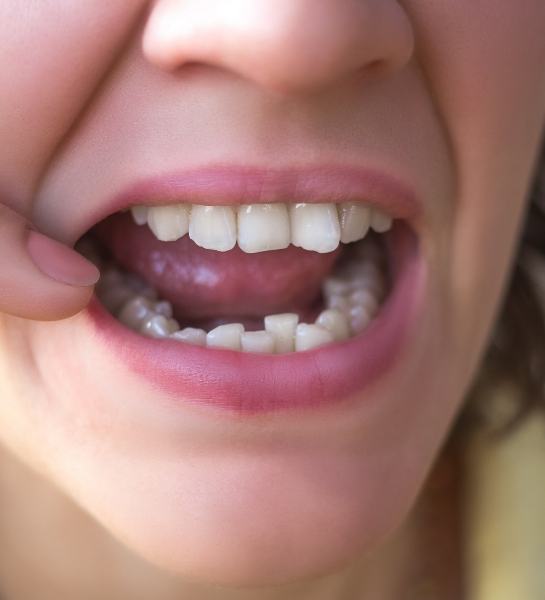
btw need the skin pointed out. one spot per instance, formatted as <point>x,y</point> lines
<point>97,96</point>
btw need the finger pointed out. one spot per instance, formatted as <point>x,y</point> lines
<point>40,278</point>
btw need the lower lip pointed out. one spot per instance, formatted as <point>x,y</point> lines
<point>255,384</point>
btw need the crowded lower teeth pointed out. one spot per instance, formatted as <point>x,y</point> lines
<point>352,297</point>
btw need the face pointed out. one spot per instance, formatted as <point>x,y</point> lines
<point>249,467</point>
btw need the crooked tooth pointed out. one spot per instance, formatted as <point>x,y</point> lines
<point>225,336</point>
<point>308,337</point>
<point>263,227</point>
<point>335,322</point>
<point>159,326</point>
<point>355,220</point>
<point>282,327</point>
<point>380,222</point>
<point>135,312</point>
<point>169,223</point>
<point>315,227</point>
<point>213,227</point>
<point>261,342</point>
<point>140,214</point>
<point>191,335</point>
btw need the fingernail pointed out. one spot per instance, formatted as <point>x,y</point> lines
<point>60,262</point>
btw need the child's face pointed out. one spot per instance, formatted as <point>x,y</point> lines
<point>448,96</point>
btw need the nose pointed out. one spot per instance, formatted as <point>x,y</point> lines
<point>284,45</point>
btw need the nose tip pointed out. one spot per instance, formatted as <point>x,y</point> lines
<point>284,45</point>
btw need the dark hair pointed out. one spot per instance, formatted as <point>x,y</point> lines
<point>511,383</point>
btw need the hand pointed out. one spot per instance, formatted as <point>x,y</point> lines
<point>40,278</point>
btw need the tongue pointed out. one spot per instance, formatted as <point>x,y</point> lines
<point>204,284</point>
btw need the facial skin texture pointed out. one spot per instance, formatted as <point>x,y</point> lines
<point>450,95</point>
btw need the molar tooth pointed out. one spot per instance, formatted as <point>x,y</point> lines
<point>263,227</point>
<point>135,312</point>
<point>315,227</point>
<point>366,299</point>
<point>139,214</point>
<point>163,308</point>
<point>115,297</point>
<point>159,326</point>
<point>355,220</point>
<point>110,277</point>
<point>169,223</point>
<point>308,337</point>
<point>213,227</point>
<point>335,322</point>
<point>282,327</point>
<point>191,335</point>
<point>257,341</point>
<point>359,318</point>
<point>380,221</point>
<point>225,336</point>
<point>339,302</point>
<point>333,286</point>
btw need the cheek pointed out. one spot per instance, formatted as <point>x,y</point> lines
<point>486,74</point>
<point>52,56</point>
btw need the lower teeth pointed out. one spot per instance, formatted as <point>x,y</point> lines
<point>352,297</point>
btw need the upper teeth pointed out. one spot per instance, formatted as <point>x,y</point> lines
<point>262,227</point>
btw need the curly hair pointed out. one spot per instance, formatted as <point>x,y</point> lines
<point>515,360</point>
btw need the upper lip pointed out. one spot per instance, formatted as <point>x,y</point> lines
<point>233,184</point>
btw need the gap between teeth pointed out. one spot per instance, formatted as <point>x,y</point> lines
<point>352,298</point>
<point>263,227</point>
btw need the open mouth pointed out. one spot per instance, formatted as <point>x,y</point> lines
<point>267,278</point>
<point>316,296</point>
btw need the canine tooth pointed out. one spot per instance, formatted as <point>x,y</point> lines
<point>257,341</point>
<point>159,327</point>
<point>163,308</point>
<point>335,322</point>
<point>282,327</point>
<point>140,214</point>
<point>359,318</point>
<point>213,227</point>
<point>315,227</point>
<point>191,335</point>
<point>354,220</point>
<point>135,312</point>
<point>308,337</point>
<point>380,222</point>
<point>169,223</point>
<point>225,336</point>
<point>263,227</point>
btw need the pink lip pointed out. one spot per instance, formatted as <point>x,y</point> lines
<point>255,384</point>
<point>222,184</point>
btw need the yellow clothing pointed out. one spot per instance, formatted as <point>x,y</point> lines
<point>504,514</point>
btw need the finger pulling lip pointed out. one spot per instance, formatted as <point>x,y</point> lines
<point>246,384</point>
